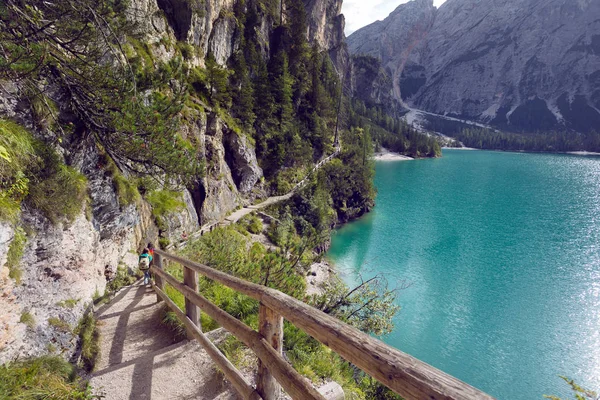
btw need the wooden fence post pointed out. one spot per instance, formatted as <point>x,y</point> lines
<point>190,279</point>
<point>270,326</point>
<point>158,281</point>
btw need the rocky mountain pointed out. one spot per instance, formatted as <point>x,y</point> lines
<point>523,65</point>
<point>62,263</point>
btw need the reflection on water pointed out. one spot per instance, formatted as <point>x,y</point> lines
<point>503,253</point>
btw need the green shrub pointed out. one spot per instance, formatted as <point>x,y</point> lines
<point>9,208</point>
<point>88,337</point>
<point>147,184</point>
<point>60,324</point>
<point>17,154</point>
<point>288,178</point>
<point>15,253</point>
<point>163,242</point>
<point>578,392</point>
<point>172,322</point>
<point>164,202</point>
<point>61,195</point>
<point>42,378</point>
<point>127,191</point>
<point>69,303</point>
<point>186,49</point>
<point>122,278</point>
<point>252,224</point>
<point>31,170</point>
<point>27,319</point>
<point>16,149</point>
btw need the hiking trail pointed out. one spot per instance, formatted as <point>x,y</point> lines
<point>140,357</point>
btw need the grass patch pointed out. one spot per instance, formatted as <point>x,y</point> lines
<point>15,253</point>
<point>69,303</point>
<point>208,324</point>
<point>237,353</point>
<point>31,170</point>
<point>127,191</point>
<point>172,322</point>
<point>9,208</point>
<point>61,195</point>
<point>27,319</point>
<point>164,202</point>
<point>17,154</point>
<point>163,242</point>
<point>42,378</point>
<point>59,324</point>
<point>88,337</point>
<point>122,278</point>
<point>16,149</point>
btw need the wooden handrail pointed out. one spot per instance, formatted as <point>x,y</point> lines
<point>404,374</point>
<point>235,377</point>
<point>293,383</point>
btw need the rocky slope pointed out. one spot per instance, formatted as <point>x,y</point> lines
<point>63,264</point>
<point>525,65</point>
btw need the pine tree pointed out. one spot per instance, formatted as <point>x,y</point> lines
<point>243,103</point>
<point>219,90</point>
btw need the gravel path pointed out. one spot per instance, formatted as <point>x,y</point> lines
<point>140,358</point>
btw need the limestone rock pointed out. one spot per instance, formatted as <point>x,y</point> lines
<point>221,195</point>
<point>240,156</point>
<point>517,64</point>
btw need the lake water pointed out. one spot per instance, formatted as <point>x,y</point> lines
<point>503,254</point>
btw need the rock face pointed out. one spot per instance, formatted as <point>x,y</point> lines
<point>67,262</point>
<point>524,65</point>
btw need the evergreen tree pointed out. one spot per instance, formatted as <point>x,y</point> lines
<point>243,102</point>
<point>219,91</point>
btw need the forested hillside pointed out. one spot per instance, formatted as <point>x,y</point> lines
<point>124,122</point>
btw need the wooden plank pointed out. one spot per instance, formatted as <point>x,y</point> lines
<point>158,263</point>
<point>231,373</point>
<point>190,279</point>
<point>292,382</point>
<point>405,375</point>
<point>270,327</point>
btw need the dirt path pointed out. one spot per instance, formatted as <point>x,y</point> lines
<point>140,358</point>
<point>242,212</point>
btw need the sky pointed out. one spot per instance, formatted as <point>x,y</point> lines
<point>359,13</point>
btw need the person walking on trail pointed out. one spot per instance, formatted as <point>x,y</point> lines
<point>144,264</point>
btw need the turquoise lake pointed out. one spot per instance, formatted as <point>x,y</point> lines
<point>502,251</point>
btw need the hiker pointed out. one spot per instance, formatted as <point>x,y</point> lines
<point>144,264</point>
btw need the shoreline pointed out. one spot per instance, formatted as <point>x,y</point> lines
<point>460,148</point>
<point>320,274</point>
<point>386,155</point>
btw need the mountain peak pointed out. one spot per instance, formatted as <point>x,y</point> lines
<point>524,65</point>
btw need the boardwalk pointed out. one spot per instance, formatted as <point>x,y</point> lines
<point>140,358</point>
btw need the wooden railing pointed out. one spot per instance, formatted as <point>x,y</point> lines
<point>405,375</point>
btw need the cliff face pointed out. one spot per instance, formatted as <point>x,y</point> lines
<point>519,64</point>
<point>66,262</point>
<point>396,39</point>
